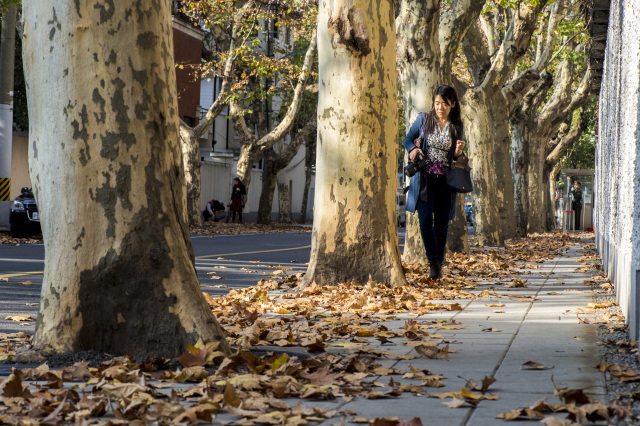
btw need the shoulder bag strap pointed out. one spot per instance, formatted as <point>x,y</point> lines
<point>424,129</point>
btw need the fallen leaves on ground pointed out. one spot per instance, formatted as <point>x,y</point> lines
<point>532,365</point>
<point>6,238</point>
<point>329,327</point>
<point>223,228</point>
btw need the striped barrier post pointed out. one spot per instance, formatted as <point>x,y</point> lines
<point>5,189</point>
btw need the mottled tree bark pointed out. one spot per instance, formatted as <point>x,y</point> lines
<point>309,161</point>
<point>520,174</point>
<point>537,190</point>
<point>190,145</point>
<point>476,110</point>
<point>269,177</point>
<point>458,238</point>
<point>284,198</point>
<point>119,274</point>
<point>504,180</point>
<point>354,228</point>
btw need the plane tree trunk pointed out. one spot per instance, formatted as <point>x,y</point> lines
<point>309,161</point>
<point>354,229</point>
<point>119,272</point>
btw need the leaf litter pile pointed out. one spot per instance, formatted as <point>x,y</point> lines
<point>291,347</point>
<point>223,228</point>
<point>6,238</point>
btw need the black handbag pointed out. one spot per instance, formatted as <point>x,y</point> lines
<point>459,175</point>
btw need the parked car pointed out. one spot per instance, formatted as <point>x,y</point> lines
<point>469,214</point>
<point>400,208</point>
<point>24,217</point>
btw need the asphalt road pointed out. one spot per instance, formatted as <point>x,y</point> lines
<point>223,262</point>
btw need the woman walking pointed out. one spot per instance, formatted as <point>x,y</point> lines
<point>436,135</point>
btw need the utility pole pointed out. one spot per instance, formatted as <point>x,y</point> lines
<point>7,57</point>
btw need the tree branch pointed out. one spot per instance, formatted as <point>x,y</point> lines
<point>515,44</point>
<point>285,125</point>
<point>568,140</point>
<point>477,54</point>
<point>546,55</point>
<point>291,150</point>
<point>515,90</point>
<point>452,29</point>
<point>536,95</point>
<point>562,103</point>
<point>489,29</point>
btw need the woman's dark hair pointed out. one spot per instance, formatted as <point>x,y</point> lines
<point>239,182</point>
<point>449,94</point>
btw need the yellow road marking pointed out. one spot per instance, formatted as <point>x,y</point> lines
<point>252,252</point>
<point>24,274</point>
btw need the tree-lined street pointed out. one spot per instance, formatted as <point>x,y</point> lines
<point>134,311</point>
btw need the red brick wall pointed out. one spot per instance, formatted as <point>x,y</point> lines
<point>187,51</point>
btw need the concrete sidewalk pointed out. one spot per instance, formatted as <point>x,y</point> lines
<point>546,322</point>
<point>555,330</point>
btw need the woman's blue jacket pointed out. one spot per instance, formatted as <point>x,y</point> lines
<point>414,185</point>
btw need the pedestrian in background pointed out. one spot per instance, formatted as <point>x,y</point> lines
<point>214,210</point>
<point>576,203</point>
<point>238,200</point>
<point>438,136</point>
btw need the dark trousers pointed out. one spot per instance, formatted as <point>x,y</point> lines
<point>433,215</point>
<point>236,214</point>
<point>577,212</point>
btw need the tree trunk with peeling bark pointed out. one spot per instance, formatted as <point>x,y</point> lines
<point>549,198</point>
<point>504,180</point>
<point>249,154</point>
<point>269,181</point>
<point>276,159</point>
<point>537,189</point>
<point>354,229</point>
<point>284,198</point>
<point>520,172</point>
<point>190,147</point>
<point>458,237</point>
<point>119,275</point>
<point>478,128</point>
<point>308,164</point>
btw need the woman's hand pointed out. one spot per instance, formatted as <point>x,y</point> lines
<point>413,153</point>
<point>459,147</point>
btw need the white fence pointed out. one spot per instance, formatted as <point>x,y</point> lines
<point>217,181</point>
